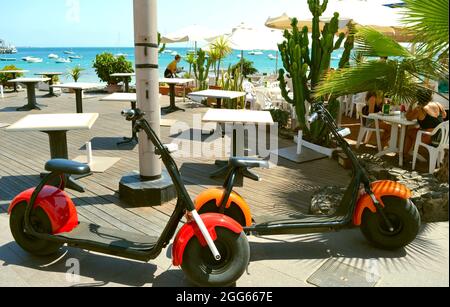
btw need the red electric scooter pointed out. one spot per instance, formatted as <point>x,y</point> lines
<point>383,209</point>
<point>212,249</point>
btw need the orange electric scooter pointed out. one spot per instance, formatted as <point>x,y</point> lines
<point>383,209</point>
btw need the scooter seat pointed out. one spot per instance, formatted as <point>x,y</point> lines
<point>248,163</point>
<point>67,167</point>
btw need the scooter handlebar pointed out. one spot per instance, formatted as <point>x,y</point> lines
<point>129,114</point>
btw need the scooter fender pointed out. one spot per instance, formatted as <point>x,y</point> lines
<point>189,230</point>
<point>380,189</point>
<point>57,205</point>
<point>217,196</point>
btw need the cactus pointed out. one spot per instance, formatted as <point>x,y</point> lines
<point>307,66</point>
<point>233,80</point>
<point>163,47</point>
<point>201,70</point>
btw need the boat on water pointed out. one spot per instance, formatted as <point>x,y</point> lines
<point>63,60</point>
<point>75,57</point>
<point>8,59</point>
<point>7,49</point>
<point>69,52</point>
<point>167,51</point>
<point>53,56</point>
<point>256,52</point>
<point>31,59</point>
<point>174,53</point>
<point>121,54</point>
<point>272,57</point>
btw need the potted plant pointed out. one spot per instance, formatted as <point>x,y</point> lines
<point>164,89</point>
<point>106,64</point>
<point>74,73</point>
<point>4,78</point>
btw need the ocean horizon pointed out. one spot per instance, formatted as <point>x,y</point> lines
<point>264,63</point>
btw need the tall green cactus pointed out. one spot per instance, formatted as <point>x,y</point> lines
<point>307,66</point>
<point>233,80</point>
<point>201,70</point>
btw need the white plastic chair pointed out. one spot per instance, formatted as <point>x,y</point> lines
<point>264,101</point>
<point>1,91</point>
<point>437,151</point>
<point>250,97</point>
<point>358,102</point>
<point>366,131</point>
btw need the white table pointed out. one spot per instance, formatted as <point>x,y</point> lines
<point>399,123</point>
<point>14,74</point>
<point>125,97</point>
<point>244,117</point>
<point>219,95</point>
<point>78,87</point>
<point>31,91</point>
<point>126,79</point>
<point>57,126</point>
<point>173,82</point>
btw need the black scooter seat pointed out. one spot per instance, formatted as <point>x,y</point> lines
<point>248,163</point>
<point>67,167</point>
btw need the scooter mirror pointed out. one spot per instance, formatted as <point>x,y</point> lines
<point>313,118</point>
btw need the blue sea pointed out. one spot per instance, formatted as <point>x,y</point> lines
<point>262,62</point>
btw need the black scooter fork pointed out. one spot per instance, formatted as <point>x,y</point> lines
<point>380,209</point>
<point>163,152</point>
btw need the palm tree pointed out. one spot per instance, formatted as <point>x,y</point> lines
<point>190,59</point>
<point>404,72</point>
<point>428,22</point>
<point>222,46</point>
<point>214,58</point>
<point>400,76</point>
<point>75,73</point>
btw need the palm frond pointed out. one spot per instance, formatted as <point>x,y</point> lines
<point>428,21</point>
<point>372,43</point>
<point>399,79</point>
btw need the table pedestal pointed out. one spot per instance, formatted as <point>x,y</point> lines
<point>394,146</point>
<point>79,100</point>
<point>31,93</point>
<point>237,151</point>
<point>126,85</point>
<point>172,108</point>
<point>51,92</point>
<point>58,150</point>
<point>15,84</point>
<point>134,137</point>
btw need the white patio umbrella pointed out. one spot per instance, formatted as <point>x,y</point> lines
<point>246,38</point>
<point>194,33</point>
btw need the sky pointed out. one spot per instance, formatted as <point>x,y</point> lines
<point>109,23</point>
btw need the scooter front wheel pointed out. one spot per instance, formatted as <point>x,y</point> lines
<point>202,269</point>
<point>40,223</point>
<point>403,215</point>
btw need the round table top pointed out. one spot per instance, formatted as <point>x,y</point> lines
<point>123,75</point>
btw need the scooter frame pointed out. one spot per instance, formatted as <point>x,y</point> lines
<point>203,228</point>
<point>361,194</point>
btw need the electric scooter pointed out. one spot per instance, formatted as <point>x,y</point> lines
<point>211,249</point>
<point>383,210</point>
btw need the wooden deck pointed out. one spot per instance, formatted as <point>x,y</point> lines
<point>285,188</point>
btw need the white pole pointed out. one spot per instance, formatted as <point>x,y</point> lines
<point>147,82</point>
<point>89,154</point>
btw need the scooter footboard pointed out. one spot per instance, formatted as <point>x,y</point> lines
<point>57,205</point>
<point>380,189</point>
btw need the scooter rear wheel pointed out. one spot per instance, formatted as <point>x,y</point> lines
<point>202,269</point>
<point>41,224</point>
<point>403,215</point>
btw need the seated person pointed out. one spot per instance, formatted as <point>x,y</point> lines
<point>172,68</point>
<point>375,103</point>
<point>428,114</point>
